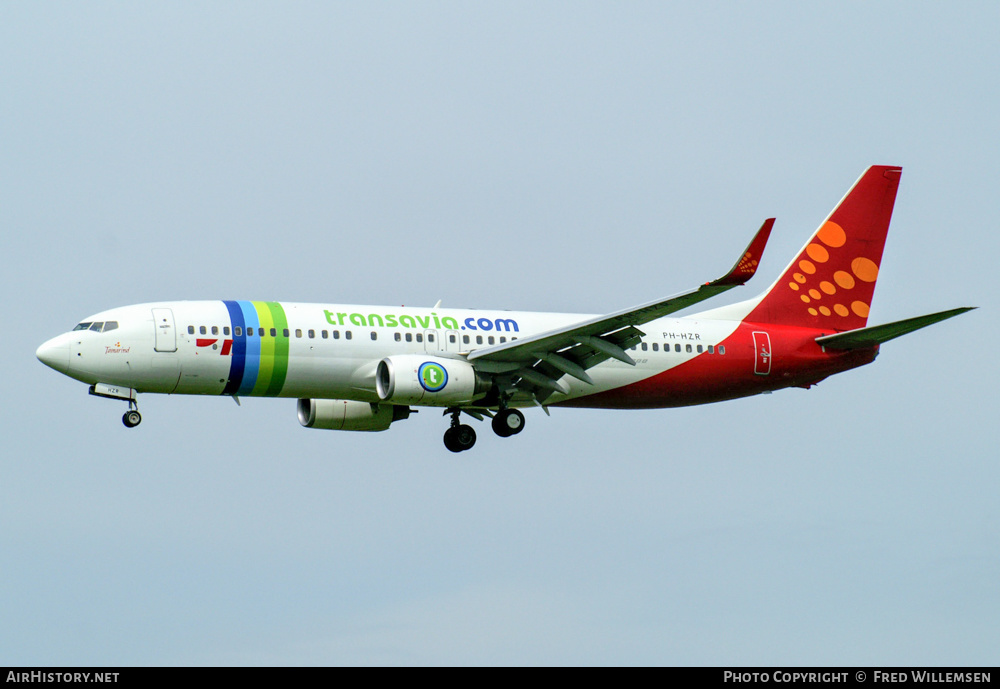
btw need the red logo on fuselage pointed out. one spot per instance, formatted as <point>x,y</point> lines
<point>227,345</point>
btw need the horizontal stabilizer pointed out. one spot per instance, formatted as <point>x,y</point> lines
<point>869,337</point>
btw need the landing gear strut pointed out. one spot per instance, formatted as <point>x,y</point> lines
<point>459,437</point>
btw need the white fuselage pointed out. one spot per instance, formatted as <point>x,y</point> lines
<point>326,350</point>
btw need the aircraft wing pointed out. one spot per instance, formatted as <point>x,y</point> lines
<point>537,362</point>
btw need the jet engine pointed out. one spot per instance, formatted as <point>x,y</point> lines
<point>430,380</point>
<point>348,415</point>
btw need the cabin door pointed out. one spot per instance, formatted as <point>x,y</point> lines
<point>163,326</point>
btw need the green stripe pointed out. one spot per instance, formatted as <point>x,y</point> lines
<point>280,360</point>
<point>266,349</point>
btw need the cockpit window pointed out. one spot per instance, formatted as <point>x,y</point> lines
<point>96,327</point>
<point>83,326</point>
<point>110,325</point>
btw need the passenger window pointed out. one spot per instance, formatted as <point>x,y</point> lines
<point>238,330</point>
<point>298,332</point>
<point>215,330</point>
<point>284,332</point>
<point>656,347</point>
<point>722,350</point>
<point>409,337</point>
<point>225,330</point>
<point>274,332</point>
<point>374,335</point>
<point>312,334</point>
<point>677,348</point>
<point>86,326</point>
<point>203,330</point>
<point>398,337</point>
<point>420,337</point>
<point>260,331</point>
<point>347,335</point>
<point>711,349</point>
<point>324,334</point>
<point>687,348</point>
<point>479,339</point>
<point>451,338</point>
<point>430,337</point>
<point>699,349</point>
<point>336,334</point>
<point>491,339</point>
<point>190,330</point>
<point>645,346</point>
<point>465,339</point>
<point>502,339</point>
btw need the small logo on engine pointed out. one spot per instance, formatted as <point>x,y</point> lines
<point>432,376</point>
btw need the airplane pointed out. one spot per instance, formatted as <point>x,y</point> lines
<point>362,368</point>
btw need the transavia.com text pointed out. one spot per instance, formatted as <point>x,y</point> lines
<point>857,676</point>
<point>68,677</point>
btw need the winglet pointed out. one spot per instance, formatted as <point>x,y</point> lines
<point>747,265</point>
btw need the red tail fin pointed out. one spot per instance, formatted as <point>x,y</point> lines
<point>831,282</point>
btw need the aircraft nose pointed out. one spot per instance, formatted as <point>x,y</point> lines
<point>55,353</point>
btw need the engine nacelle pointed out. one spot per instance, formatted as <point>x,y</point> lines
<point>430,380</point>
<point>348,415</point>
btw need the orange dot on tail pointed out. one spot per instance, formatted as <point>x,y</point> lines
<point>799,277</point>
<point>865,269</point>
<point>860,308</point>
<point>827,287</point>
<point>815,294</point>
<point>840,309</point>
<point>807,267</point>
<point>812,312</point>
<point>844,279</point>
<point>825,311</point>
<point>806,299</point>
<point>832,234</point>
<point>818,253</point>
<point>794,286</point>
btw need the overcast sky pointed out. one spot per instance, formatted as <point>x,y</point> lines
<point>579,157</point>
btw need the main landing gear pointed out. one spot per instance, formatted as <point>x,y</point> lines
<point>508,422</point>
<point>461,437</point>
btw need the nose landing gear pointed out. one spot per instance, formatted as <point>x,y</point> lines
<point>132,417</point>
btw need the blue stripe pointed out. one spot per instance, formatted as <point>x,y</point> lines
<point>252,356</point>
<point>239,350</point>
